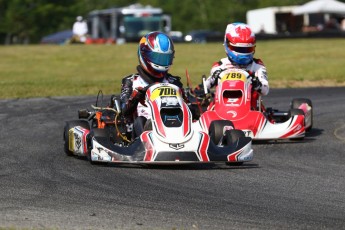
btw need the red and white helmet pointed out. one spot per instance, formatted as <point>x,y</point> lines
<point>239,43</point>
<point>156,53</point>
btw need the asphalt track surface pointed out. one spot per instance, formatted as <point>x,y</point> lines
<point>288,185</point>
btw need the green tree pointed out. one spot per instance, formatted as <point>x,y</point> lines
<point>26,21</point>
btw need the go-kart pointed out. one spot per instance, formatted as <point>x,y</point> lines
<point>170,136</point>
<point>236,101</point>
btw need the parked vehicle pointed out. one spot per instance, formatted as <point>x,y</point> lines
<point>203,36</point>
<point>126,24</point>
<point>57,38</point>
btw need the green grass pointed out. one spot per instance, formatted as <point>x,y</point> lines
<point>48,70</point>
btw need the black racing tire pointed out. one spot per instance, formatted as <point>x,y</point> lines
<point>216,130</point>
<point>234,163</point>
<point>232,137</point>
<point>296,102</point>
<point>294,112</point>
<point>68,125</point>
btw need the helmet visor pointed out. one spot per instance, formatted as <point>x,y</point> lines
<point>162,59</point>
<point>241,49</point>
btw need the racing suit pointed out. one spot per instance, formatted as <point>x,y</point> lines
<point>132,93</point>
<point>256,66</point>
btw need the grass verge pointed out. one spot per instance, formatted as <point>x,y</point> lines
<point>49,70</point>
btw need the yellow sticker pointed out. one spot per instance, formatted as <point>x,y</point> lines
<point>71,140</point>
<point>164,91</point>
<point>232,76</point>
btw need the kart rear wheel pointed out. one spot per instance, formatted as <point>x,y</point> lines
<point>297,102</point>
<point>96,132</point>
<point>216,130</point>
<point>68,125</point>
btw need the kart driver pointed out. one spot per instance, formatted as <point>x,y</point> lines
<point>239,43</point>
<point>155,54</point>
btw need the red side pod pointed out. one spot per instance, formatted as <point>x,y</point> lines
<point>233,157</point>
<point>158,120</point>
<point>297,127</point>
<point>150,150</point>
<point>86,132</point>
<point>203,146</point>
<point>186,120</point>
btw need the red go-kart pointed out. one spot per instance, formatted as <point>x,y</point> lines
<point>236,101</point>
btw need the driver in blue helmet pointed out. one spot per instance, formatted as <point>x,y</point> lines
<point>239,43</point>
<point>155,53</point>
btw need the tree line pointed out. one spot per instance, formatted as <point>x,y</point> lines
<point>27,21</point>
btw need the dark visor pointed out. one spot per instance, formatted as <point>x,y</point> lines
<point>242,50</point>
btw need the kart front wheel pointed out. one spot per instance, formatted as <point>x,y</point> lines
<point>217,130</point>
<point>232,137</point>
<point>296,103</point>
<point>68,125</point>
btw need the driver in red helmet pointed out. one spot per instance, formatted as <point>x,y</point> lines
<point>155,53</point>
<point>239,43</point>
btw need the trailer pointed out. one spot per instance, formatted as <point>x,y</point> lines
<point>274,20</point>
<point>126,24</point>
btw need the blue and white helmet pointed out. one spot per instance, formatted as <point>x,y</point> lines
<point>156,53</point>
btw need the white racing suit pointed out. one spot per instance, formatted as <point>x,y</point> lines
<point>256,66</point>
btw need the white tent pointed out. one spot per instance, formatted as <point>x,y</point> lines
<point>321,6</point>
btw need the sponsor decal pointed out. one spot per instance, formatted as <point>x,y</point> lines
<point>176,146</point>
<point>298,127</point>
<point>234,113</point>
<point>248,133</point>
<point>77,140</point>
<point>232,100</point>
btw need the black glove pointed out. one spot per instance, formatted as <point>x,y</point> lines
<point>256,84</point>
<point>138,94</point>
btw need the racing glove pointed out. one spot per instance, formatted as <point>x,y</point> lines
<point>138,95</point>
<point>262,86</point>
<point>256,84</point>
<point>215,76</point>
